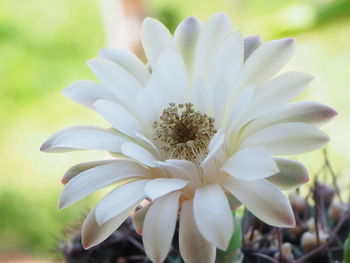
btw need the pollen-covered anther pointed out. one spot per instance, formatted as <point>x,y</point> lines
<point>183,132</point>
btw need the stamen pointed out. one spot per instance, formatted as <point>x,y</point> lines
<point>183,132</point>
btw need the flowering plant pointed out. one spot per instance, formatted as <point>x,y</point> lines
<point>196,132</point>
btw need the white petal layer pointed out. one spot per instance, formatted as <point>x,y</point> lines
<point>292,174</point>
<point>278,92</point>
<point>250,163</point>
<point>213,31</point>
<point>128,61</point>
<point>227,64</point>
<point>266,61</point>
<point>120,200</point>
<point>118,117</point>
<point>98,177</point>
<point>155,38</point>
<point>92,233</point>
<point>309,112</point>
<point>263,199</point>
<point>81,167</point>
<point>213,216</point>
<point>287,138</point>
<point>83,138</point>
<point>162,186</point>
<point>139,154</point>
<point>185,37</point>
<point>86,93</point>
<point>116,79</point>
<point>193,247</point>
<point>159,227</point>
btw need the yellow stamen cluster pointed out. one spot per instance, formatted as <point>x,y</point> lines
<point>183,132</point>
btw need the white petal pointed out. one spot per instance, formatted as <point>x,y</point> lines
<point>159,227</point>
<point>149,108</point>
<point>118,117</point>
<point>250,163</point>
<point>292,174</point>
<point>118,201</point>
<point>155,37</point>
<point>266,61</point>
<point>309,112</point>
<point>193,247</point>
<point>120,82</point>
<point>171,70</point>
<point>162,186</point>
<point>182,169</point>
<point>128,61</point>
<point>86,93</point>
<point>139,217</point>
<point>201,98</point>
<point>239,109</point>
<point>280,91</point>
<point>251,43</point>
<point>287,138</point>
<point>149,144</point>
<point>215,146</point>
<point>83,138</point>
<point>213,215</point>
<point>228,61</point>
<point>185,37</point>
<point>92,234</point>
<point>263,199</point>
<point>98,177</point>
<point>139,154</point>
<point>213,31</point>
<point>81,167</point>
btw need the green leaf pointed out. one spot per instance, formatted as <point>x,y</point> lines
<point>347,250</point>
<point>233,252</point>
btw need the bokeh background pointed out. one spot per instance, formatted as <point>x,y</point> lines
<point>43,47</point>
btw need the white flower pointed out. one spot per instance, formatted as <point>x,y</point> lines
<point>197,133</point>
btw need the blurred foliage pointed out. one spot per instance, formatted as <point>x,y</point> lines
<point>43,47</point>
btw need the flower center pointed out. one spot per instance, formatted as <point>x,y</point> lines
<point>183,132</point>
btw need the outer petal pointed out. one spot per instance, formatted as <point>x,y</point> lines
<point>213,31</point>
<point>292,174</point>
<point>280,91</point>
<point>155,37</point>
<point>263,199</point>
<point>213,215</point>
<point>116,79</point>
<point>186,36</point>
<point>98,177</point>
<point>309,112</point>
<point>159,227</point>
<point>83,138</point>
<point>118,201</point>
<point>266,61</point>
<point>139,217</point>
<point>250,163</point>
<point>128,61</point>
<point>163,186</point>
<point>118,117</point>
<point>287,138</point>
<point>227,64</point>
<point>139,154</point>
<point>193,247</point>
<point>251,43</point>
<point>86,93</point>
<point>82,167</point>
<point>171,70</point>
<point>92,233</point>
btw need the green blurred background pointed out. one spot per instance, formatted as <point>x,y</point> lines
<point>43,47</point>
